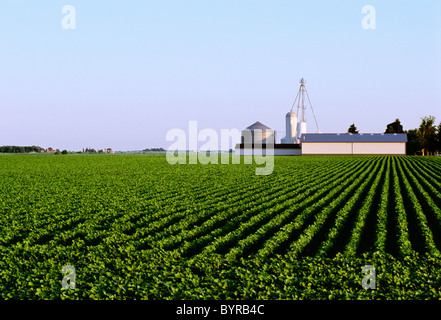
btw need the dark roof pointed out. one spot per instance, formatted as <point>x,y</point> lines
<point>258,125</point>
<point>349,137</point>
<point>275,146</point>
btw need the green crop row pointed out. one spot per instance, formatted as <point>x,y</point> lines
<point>381,226</point>
<point>339,199</point>
<point>342,215</point>
<point>297,211</point>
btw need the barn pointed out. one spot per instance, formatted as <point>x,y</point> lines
<point>348,143</point>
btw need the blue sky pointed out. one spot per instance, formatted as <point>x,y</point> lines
<point>132,70</point>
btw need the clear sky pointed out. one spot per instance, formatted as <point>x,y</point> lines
<point>133,70</point>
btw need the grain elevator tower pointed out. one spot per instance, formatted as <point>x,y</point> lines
<point>303,100</point>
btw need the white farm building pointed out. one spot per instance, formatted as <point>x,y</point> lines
<point>348,143</point>
<point>256,138</point>
<point>334,144</point>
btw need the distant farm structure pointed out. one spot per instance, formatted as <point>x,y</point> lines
<point>258,137</point>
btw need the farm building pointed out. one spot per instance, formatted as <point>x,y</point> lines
<point>335,144</point>
<point>298,142</point>
<point>348,143</point>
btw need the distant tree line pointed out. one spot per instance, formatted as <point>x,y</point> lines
<point>20,149</point>
<point>424,140</point>
<point>92,150</point>
<point>154,149</point>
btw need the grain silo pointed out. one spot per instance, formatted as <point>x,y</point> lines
<point>256,139</point>
<point>260,137</point>
<point>301,128</point>
<point>257,133</point>
<point>291,128</point>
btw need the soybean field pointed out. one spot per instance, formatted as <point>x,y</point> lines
<point>137,227</point>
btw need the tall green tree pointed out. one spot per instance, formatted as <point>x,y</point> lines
<point>394,127</point>
<point>427,135</point>
<point>413,145</point>
<point>352,129</point>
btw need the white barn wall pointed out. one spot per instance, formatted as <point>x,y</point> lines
<point>379,148</point>
<point>392,148</point>
<point>327,148</point>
